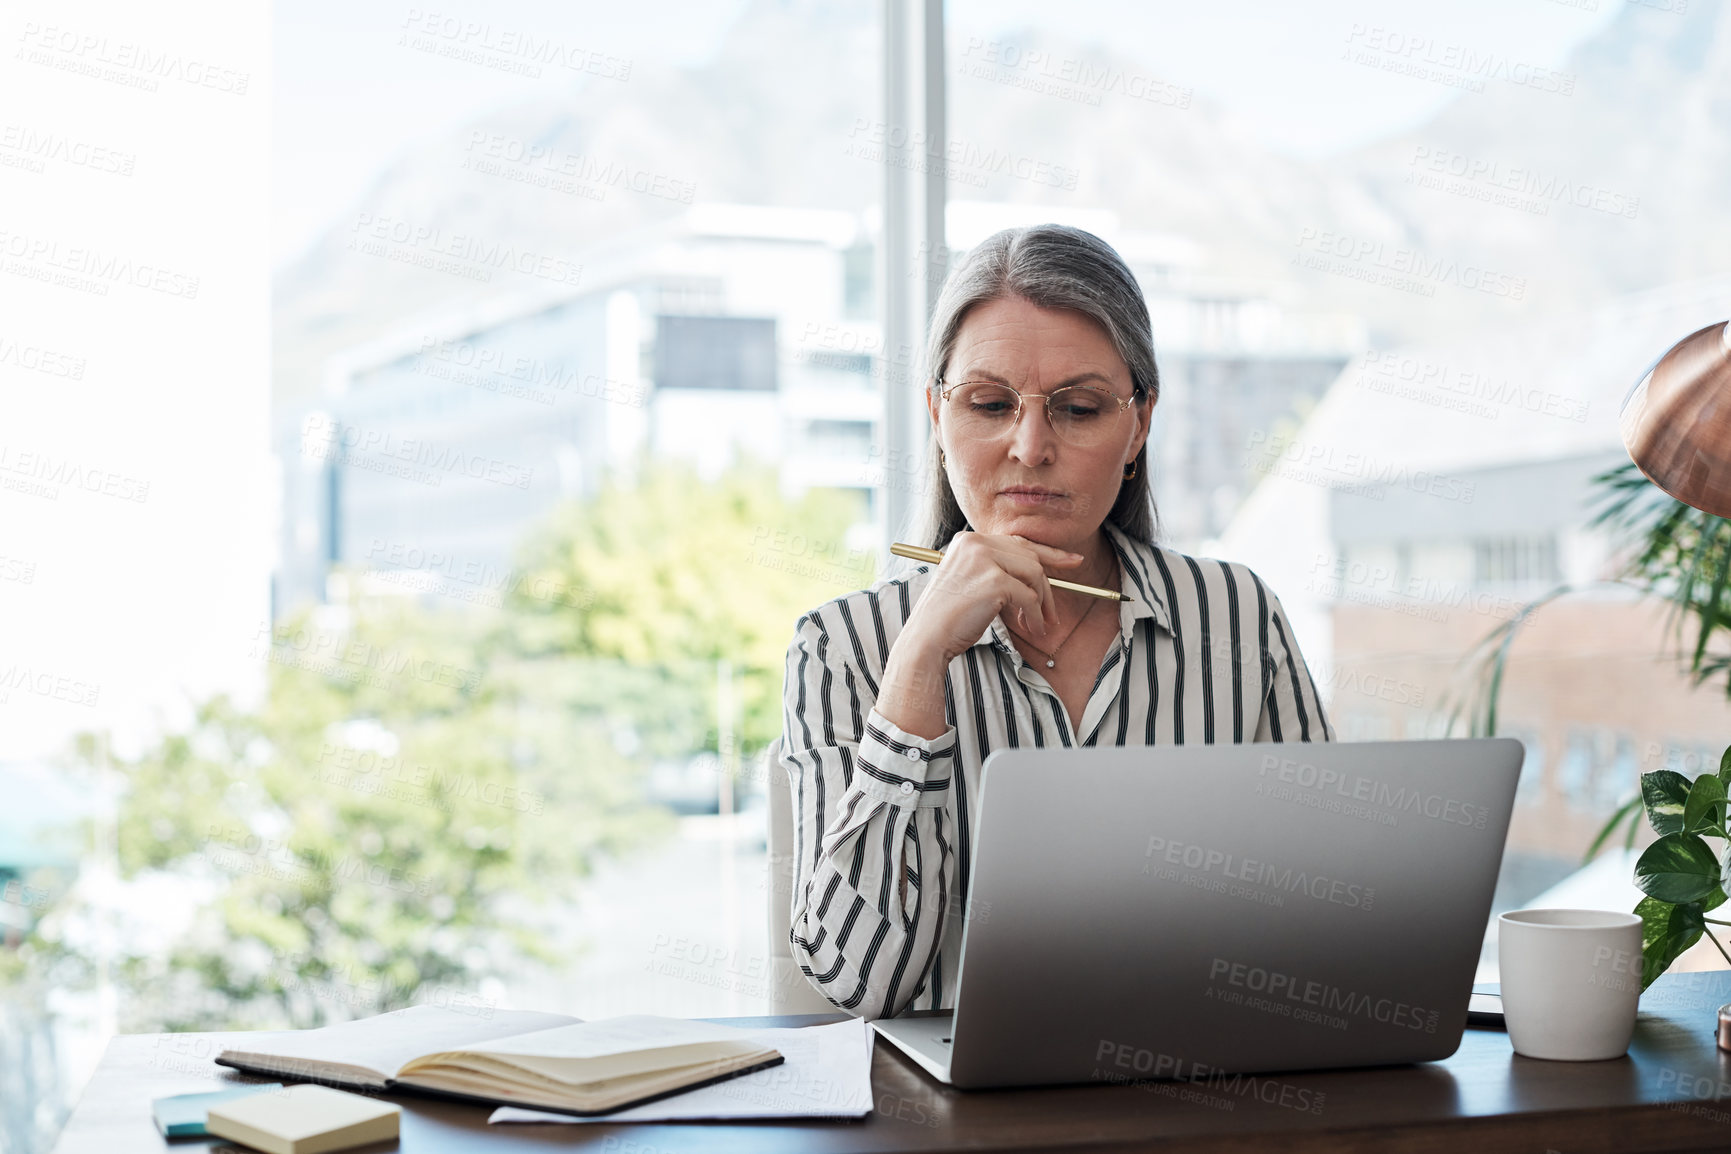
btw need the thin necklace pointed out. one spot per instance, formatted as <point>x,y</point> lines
<point>1052,657</point>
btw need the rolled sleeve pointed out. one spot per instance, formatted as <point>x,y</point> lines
<point>902,769</point>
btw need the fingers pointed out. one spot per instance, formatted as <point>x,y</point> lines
<point>1024,560</point>
<point>1029,605</point>
<point>1048,602</point>
<point>1028,571</point>
<point>1013,569</point>
<point>1043,556</point>
<point>1048,555</point>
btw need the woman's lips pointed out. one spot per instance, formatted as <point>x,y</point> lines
<point>1028,495</point>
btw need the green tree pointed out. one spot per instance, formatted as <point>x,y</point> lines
<point>376,829</point>
<point>421,775</point>
<point>678,574</point>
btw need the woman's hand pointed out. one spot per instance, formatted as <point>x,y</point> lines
<point>982,575</point>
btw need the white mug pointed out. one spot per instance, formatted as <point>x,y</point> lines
<point>1571,982</point>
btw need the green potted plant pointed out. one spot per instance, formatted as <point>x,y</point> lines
<point>1680,873</point>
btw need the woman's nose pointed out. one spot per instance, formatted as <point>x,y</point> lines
<point>1032,438</point>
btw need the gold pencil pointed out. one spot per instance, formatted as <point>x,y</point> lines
<point>933,557</point>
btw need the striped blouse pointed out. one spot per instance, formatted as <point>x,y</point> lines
<point>884,819</point>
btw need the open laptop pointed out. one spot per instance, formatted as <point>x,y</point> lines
<point>1142,912</point>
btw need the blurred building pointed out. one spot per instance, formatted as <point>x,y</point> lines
<point>1590,687</point>
<point>728,331</point>
<point>1434,495</point>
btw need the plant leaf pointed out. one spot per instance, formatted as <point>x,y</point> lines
<point>1711,617</point>
<point>1677,868</point>
<point>1666,931</point>
<point>1725,768</point>
<point>1666,792</point>
<point>1705,809</point>
<point>1675,553</point>
<point>1712,901</point>
<point>1484,665</point>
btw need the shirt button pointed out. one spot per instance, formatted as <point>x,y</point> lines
<point>912,755</point>
<point>907,787</point>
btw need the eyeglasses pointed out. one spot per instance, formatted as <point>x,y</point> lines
<point>1083,416</point>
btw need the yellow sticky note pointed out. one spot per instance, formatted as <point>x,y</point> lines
<point>303,1120</point>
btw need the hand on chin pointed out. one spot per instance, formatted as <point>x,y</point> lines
<point>1041,526</point>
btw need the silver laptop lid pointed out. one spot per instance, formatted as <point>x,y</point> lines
<point>1156,911</point>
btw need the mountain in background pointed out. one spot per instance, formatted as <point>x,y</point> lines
<point>1649,120</point>
<point>770,120</point>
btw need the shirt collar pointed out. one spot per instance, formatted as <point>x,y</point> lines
<point>1136,565</point>
<point>1136,559</point>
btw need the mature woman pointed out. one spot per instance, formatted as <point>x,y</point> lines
<point>1044,386</point>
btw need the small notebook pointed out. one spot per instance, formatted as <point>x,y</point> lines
<point>304,1120</point>
<point>518,1058</point>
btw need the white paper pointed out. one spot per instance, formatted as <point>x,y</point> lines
<point>826,1074</point>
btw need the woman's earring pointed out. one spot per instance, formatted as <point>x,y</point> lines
<point>1130,471</point>
<point>940,456</point>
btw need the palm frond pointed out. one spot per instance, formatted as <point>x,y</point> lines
<point>1484,667</point>
<point>1672,551</point>
<point>1678,553</point>
<point>1630,813</point>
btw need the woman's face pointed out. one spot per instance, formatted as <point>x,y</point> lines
<point>1029,481</point>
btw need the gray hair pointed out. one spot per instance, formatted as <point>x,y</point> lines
<point>1055,267</point>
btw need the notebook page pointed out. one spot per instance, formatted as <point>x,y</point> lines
<point>826,1074</point>
<point>607,1036</point>
<point>385,1042</point>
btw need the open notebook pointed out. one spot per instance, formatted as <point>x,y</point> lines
<point>514,1057</point>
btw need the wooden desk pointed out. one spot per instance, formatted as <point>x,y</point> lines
<point>1672,1092</point>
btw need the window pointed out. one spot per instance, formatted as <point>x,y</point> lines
<point>573,382</point>
<point>736,353</point>
<point>859,289</point>
<point>1532,783</point>
<point>1599,770</point>
<point>1516,561</point>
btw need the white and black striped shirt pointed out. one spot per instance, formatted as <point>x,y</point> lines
<point>884,820</point>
